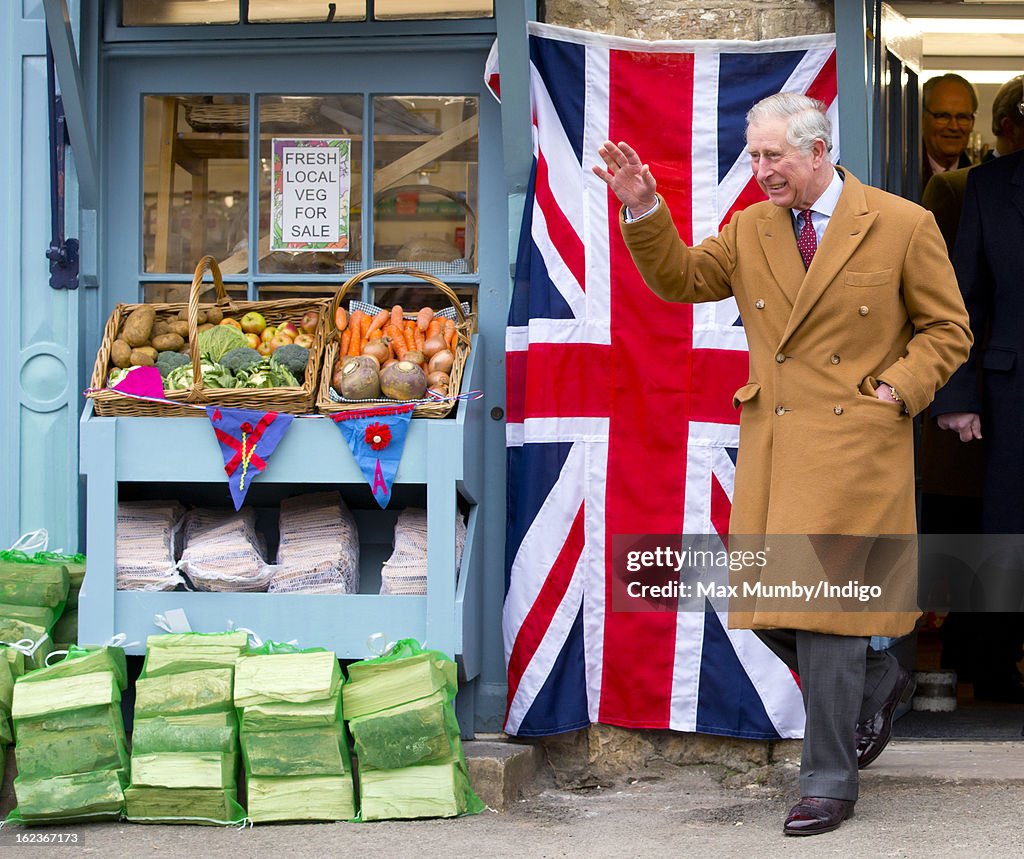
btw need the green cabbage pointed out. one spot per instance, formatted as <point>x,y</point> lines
<point>216,342</point>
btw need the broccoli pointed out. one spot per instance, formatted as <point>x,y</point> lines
<point>167,361</point>
<point>240,358</point>
<point>293,358</point>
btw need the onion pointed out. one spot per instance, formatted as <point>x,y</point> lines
<point>437,378</point>
<point>433,345</point>
<point>442,362</point>
<point>377,349</point>
<point>415,356</point>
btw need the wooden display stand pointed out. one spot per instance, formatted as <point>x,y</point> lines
<point>442,458</point>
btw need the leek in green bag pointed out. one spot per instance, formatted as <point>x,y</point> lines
<point>208,691</point>
<point>179,653</point>
<point>297,751</point>
<point>195,732</point>
<point>24,582</point>
<point>207,806</point>
<point>61,799</point>
<point>417,732</point>
<point>428,790</point>
<point>300,798</point>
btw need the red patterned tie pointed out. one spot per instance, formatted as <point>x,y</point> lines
<point>807,241</point>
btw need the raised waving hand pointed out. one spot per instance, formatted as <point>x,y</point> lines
<point>628,177</point>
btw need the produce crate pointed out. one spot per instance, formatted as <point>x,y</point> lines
<point>328,404</point>
<point>291,399</point>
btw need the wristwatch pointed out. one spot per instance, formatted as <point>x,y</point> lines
<point>895,395</point>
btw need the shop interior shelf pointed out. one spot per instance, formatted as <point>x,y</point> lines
<point>441,469</point>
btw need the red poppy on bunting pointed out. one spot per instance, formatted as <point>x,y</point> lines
<point>376,438</point>
<point>247,438</point>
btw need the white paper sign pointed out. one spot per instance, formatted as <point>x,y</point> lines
<point>310,194</point>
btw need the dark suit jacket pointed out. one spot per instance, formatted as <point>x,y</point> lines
<point>989,261</point>
<point>926,165</point>
<point>944,197</point>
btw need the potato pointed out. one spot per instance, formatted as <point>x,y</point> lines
<point>180,328</point>
<point>205,326</point>
<point>120,354</point>
<point>148,350</point>
<point>160,327</point>
<point>214,315</point>
<point>168,343</point>
<point>139,358</point>
<point>183,314</point>
<point>138,327</point>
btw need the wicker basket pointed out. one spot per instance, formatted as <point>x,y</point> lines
<point>292,400</point>
<point>327,405</point>
<point>235,117</point>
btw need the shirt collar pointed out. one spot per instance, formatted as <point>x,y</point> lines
<point>826,203</point>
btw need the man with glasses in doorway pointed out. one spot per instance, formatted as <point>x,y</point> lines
<point>950,104</point>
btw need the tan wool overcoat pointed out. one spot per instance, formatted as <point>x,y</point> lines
<point>819,453</point>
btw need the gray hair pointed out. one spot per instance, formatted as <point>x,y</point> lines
<point>1006,104</point>
<point>805,118</point>
<point>949,77</point>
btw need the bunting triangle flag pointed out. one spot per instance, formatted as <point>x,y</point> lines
<point>376,438</point>
<point>247,438</point>
<point>142,382</point>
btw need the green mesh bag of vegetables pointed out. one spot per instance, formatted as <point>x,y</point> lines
<point>25,582</point>
<point>179,653</point>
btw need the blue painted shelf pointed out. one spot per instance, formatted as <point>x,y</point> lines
<point>442,461</point>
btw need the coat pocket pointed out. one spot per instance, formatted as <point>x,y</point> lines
<point>998,359</point>
<point>868,278</point>
<point>745,394</point>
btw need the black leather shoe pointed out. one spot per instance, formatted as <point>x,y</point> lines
<point>873,734</point>
<point>813,815</point>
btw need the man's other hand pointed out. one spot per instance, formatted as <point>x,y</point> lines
<point>967,424</point>
<point>630,179</point>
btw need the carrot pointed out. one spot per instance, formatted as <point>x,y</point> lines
<point>435,327</point>
<point>450,334</point>
<point>396,316</point>
<point>424,317</point>
<point>397,340</point>
<point>378,322</point>
<point>364,328</point>
<point>374,335</point>
<point>355,322</point>
<point>341,318</point>
<point>346,336</point>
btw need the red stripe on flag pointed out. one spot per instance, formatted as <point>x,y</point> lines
<point>721,507</point>
<point>515,387</point>
<point>824,87</point>
<point>750,194</point>
<point>567,382</point>
<point>717,374</point>
<point>566,240</point>
<point>650,384</point>
<point>552,592</point>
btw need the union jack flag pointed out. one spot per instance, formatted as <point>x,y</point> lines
<point>619,413</point>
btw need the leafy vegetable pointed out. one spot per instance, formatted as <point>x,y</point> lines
<point>219,340</point>
<point>240,358</point>
<point>168,361</point>
<point>268,373</point>
<point>214,376</point>
<point>293,357</point>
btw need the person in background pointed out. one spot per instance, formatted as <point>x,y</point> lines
<point>989,261</point>
<point>951,472</point>
<point>853,320</point>
<point>949,106</point>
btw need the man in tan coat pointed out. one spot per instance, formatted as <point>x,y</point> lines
<point>853,321</point>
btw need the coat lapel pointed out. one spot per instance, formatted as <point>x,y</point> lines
<point>778,241</point>
<point>846,229</point>
<point>1018,186</point>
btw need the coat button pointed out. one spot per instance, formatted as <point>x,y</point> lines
<point>780,411</point>
<point>838,410</point>
<point>834,359</point>
<point>780,358</point>
<point>759,304</point>
<point>863,310</point>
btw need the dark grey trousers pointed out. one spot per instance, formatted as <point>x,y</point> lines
<point>843,682</point>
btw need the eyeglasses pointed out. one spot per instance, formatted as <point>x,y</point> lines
<point>942,118</point>
<point>1020,108</point>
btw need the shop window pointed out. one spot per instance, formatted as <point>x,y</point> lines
<point>150,13</point>
<point>417,294</point>
<point>425,182</point>
<point>310,125</point>
<point>195,179</point>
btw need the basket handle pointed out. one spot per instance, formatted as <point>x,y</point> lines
<point>207,263</point>
<point>332,309</point>
<point>441,192</point>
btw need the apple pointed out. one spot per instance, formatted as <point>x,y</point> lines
<point>264,349</point>
<point>227,320</point>
<point>253,340</point>
<point>268,333</point>
<point>309,321</point>
<point>288,329</point>
<point>279,340</point>
<point>253,322</point>
<point>304,340</point>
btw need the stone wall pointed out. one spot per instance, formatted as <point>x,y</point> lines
<point>686,19</point>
